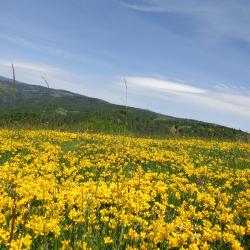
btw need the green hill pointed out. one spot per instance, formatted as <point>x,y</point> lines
<point>39,107</point>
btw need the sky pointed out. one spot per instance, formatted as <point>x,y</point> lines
<point>184,58</point>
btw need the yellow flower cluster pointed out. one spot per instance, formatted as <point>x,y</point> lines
<point>63,190</point>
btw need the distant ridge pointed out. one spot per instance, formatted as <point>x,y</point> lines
<point>38,106</point>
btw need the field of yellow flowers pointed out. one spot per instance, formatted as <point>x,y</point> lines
<point>63,190</point>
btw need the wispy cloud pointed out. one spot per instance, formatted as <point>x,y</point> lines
<point>165,86</point>
<point>187,6</point>
<point>224,18</point>
<point>59,78</point>
<point>32,72</point>
<point>31,67</point>
<point>223,99</point>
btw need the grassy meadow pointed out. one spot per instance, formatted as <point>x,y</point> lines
<point>61,190</point>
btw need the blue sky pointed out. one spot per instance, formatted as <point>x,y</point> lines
<point>187,58</point>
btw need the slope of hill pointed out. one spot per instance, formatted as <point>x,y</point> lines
<point>37,106</point>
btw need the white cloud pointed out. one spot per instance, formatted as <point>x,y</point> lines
<point>31,67</point>
<point>237,104</point>
<point>161,85</point>
<point>32,72</point>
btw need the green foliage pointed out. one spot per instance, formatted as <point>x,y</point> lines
<point>36,107</point>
